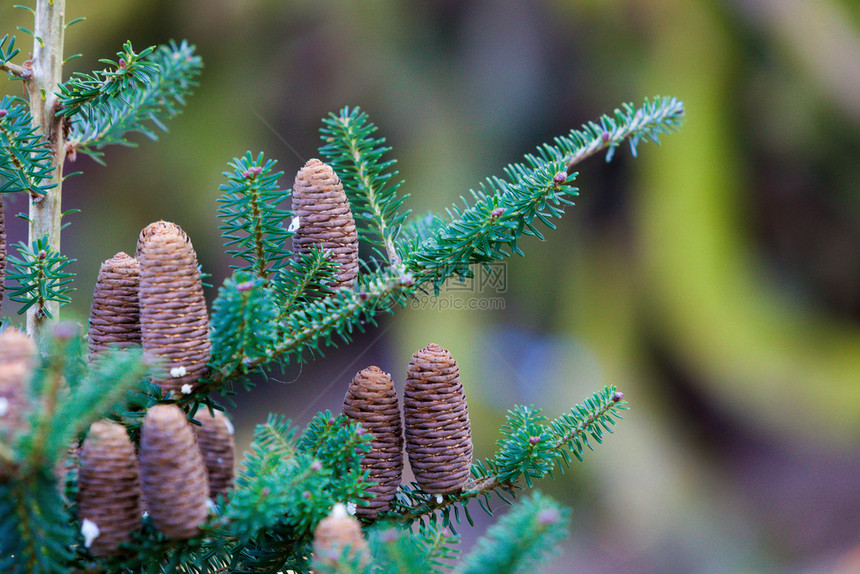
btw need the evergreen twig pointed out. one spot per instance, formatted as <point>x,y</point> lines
<point>25,157</point>
<point>356,157</point>
<point>107,106</point>
<point>530,449</point>
<point>252,219</point>
<point>41,276</point>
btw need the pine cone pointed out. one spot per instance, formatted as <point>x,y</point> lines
<point>335,532</point>
<point>17,346</point>
<point>321,206</point>
<point>172,473</point>
<point>215,438</point>
<point>174,323</point>
<point>17,361</point>
<point>2,250</point>
<point>438,435</point>
<point>115,312</point>
<point>371,400</point>
<point>109,486</point>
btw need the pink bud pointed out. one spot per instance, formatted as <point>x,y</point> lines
<point>617,396</point>
<point>560,177</point>
<point>497,212</point>
<point>244,286</point>
<point>548,516</point>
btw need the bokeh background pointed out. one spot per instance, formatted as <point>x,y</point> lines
<point>715,279</point>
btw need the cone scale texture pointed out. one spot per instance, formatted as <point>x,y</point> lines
<point>325,219</point>
<point>172,472</point>
<point>174,322</point>
<point>372,401</point>
<point>436,422</point>
<point>215,438</point>
<point>115,311</point>
<point>109,486</point>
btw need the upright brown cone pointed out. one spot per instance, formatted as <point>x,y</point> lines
<point>2,250</point>
<point>371,400</point>
<point>115,312</point>
<point>108,487</point>
<point>174,323</point>
<point>438,435</point>
<point>215,438</point>
<point>172,473</point>
<point>17,361</point>
<point>325,219</point>
<point>17,346</point>
<point>334,533</point>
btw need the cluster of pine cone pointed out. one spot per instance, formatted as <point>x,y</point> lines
<point>438,436</point>
<point>177,470</point>
<point>154,300</point>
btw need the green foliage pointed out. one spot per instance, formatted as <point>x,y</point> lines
<point>530,448</point>
<point>108,106</point>
<point>7,52</point>
<point>132,71</point>
<point>35,528</point>
<point>356,156</point>
<point>243,322</point>
<point>430,549</point>
<point>529,535</point>
<point>504,209</point>
<point>25,158</point>
<point>68,394</point>
<point>277,308</point>
<point>318,322</point>
<point>252,219</point>
<point>41,276</point>
<point>287,485</point>
<point>305,279</point>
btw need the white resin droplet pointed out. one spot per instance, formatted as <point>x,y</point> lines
<point>90,531</point>
<point>338,510</point>
<point>177,372</point>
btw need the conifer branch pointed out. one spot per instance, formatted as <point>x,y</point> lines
<point>41,277</point>
<point>527,536</point>
<point>243,321</point>
<point>304,279</point>
<point>356,157</point>
<point>504,209</point>
<point>530,449</point>
<point>251,216</point>
<point>35,527</point>
<point>131,71</point>
<point>107,106</point>
<point>25,157</point>
<point>317,322</point>
<point>6,54</point>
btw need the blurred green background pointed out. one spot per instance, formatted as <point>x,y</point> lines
<point>715,279</point>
